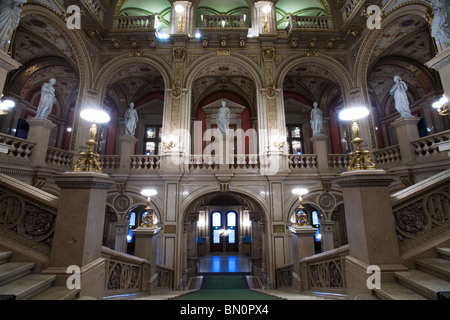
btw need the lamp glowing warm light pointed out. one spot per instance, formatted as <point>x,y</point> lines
<point>266,9</point>
<point>302,219</point>
<point>441,105</point>
<point>90,161</point>
<point>354,113</point>
<point>6,105</point>
<point>148,220</point>
<point>179,8</point>
<point>359,157</point>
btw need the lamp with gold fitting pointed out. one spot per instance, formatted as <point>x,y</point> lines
<point>359,157</point>
<point>441,106</point>
<point>148,220</point>
<point>5,105</point>
<point>89,161</point>
<point>302,218</point>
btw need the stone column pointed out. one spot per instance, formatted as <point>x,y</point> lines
<point>77,239</point>
<point>441,63</point>
<point>120,240</point>
<point>146,243</point>
<point>7,64</point>
<point>127,148</point>
<point>406,129</point>
<point>302,247</point>
<point>39,133</point>
<point>370,226</point>
<point>320,148</point>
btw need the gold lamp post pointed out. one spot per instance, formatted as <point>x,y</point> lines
<point>302,218</point>
<point>359,157</point>
<point>89,161</point>
<point>442,106</point>
<point>148,220</point>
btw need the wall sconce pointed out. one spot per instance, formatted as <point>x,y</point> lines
<point>358,158</point>
<point>265,23</point>
<point>148,221</point>
<point>302,219</point>
<point>279,141</point>
<point>6,105</point>
<point>89,161</point>
<point>179,10</point>
<point>441,106</point>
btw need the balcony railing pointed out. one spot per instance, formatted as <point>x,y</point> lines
<point>387,156</point>
<point>134,23</point>
<point>310,22</point>
<point>223,21</point>
<point>16,148</point>
<point>427,147</point>
<point>302,161</point>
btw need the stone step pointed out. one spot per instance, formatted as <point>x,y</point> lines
<point>436,266</point>
<point>4,256</point>
<point>26,287</point>
<point>444,253</point>
<point>10,271</point>
<point>423,283</point>
<point>396,291</point>
<point>57,293</point>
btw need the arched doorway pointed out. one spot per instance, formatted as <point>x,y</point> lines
<point>227,230</point>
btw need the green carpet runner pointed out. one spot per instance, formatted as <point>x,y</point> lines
<point>225,287</point>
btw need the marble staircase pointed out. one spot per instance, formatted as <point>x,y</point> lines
<point>430,276</point>
<point>19,282</point>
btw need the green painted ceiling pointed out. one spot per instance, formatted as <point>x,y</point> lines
<point>213,7</point>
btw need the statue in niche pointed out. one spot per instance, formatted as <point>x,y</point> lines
<point>440,28</point>
<point>223,118</point>
<point>9,18</point>
<point>400,98</point>
<point>316,120</point>
<point>47,100</point>
<point>131,119</point>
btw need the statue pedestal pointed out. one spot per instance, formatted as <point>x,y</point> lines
<point>320,148</point>
<point>127,147</point>
<point>406,129</point>
<point>39,133</point>
<point>7,64</point>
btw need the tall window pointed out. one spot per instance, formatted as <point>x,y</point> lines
<point>152,140</point>
<point>294,137</point>
<point>216,224</point>
<point>231,225</point>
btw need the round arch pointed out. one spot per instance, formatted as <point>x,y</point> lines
<point>341,75</point>
<point>109,70</point>
<point>372,38</point>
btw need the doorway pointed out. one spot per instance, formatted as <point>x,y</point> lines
<point>224,232</point>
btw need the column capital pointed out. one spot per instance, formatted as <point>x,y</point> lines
<point>41,123</point>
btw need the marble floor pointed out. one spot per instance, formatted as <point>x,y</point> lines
<point>224,262</point>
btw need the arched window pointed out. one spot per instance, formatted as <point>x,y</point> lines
<point>131,226</point>
<point>231,226</point>
<point>216,224</point>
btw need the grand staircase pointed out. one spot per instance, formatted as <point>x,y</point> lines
<point>19,282</point>
<point>429,280</point>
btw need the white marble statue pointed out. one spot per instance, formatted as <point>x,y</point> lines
<point>440,28</point>
<point>316,120</point>
<point>223,118</point>
<point>9,18</point>
<point>131,119</point>
<point>400,98</point>
<point>47,100</point>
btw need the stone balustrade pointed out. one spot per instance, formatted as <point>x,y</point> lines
<point>387,156</point>
<point>302,161</point>
<point>428,146</point>
<point>311,22</point>
<point>349,8</point>
<point>17,148</point>
<point>96,8</point>
<point>58,157</point>
<point>223,21</point>
<point>134,23</point>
